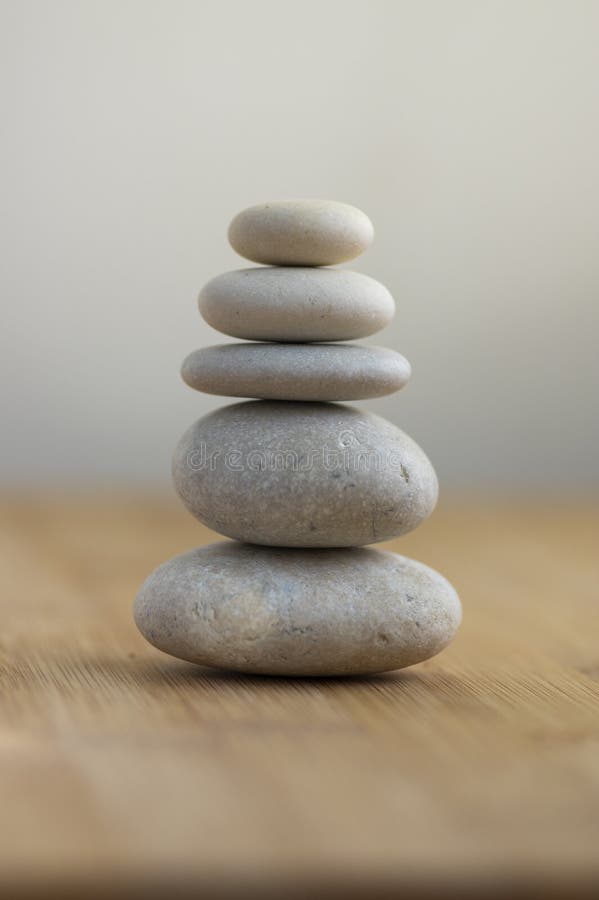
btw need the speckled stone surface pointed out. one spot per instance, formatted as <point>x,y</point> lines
<point>301,233</point>
<point>296,304</point>
<point>296,371</point>
<point>297,612</point>
<point>303,475</point>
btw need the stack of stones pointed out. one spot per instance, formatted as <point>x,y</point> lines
<point>300,482</point>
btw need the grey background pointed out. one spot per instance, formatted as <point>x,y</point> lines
<point>133,131</point>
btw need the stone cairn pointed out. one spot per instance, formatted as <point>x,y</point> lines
<point>300,482</point>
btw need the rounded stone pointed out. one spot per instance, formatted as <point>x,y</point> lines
<point>296,304</point>
<point>301,233</point>
<point>303,475</point>
<point>296,371</point>
<point>276,611</point>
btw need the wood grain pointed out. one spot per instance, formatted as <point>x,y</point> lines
<point>123,769</point>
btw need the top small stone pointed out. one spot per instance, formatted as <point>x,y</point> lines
<point>301,233</point>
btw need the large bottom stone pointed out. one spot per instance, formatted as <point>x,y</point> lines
<point>281,611</point>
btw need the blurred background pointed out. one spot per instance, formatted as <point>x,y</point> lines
<point>468,131</point>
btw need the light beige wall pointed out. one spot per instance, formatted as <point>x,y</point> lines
<point>133,131</point>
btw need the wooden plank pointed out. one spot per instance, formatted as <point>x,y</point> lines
<point>122,767</point>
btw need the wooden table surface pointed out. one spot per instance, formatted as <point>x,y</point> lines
<point>123,770</point>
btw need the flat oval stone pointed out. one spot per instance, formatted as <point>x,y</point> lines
<point>296,371</point>
<point>296,304</point>
<point>275,611</point>
<point>301,233</point>
<point>303,475</point>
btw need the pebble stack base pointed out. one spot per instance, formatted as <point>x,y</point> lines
<point>274,611</point>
